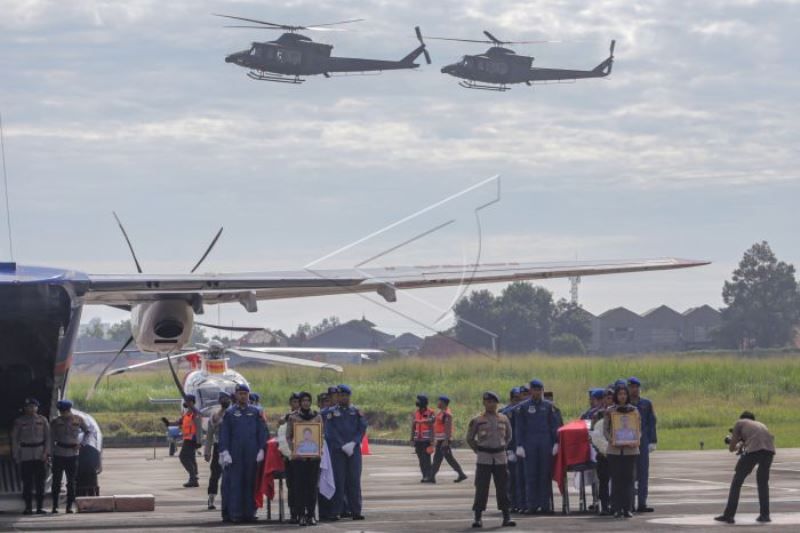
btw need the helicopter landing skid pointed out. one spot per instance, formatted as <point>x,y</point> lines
<point>469,84</point>
<point>260,75</point>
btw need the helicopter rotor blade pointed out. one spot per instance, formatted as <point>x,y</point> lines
<point>278,28</point>
<point>350,21</point>
<point>228,328</point>
<point>492,38</point>
<point>130,246</point>
<point>256,21</point>
<point>483,41</point>
<point>102,374</point>
<point>208,250</point>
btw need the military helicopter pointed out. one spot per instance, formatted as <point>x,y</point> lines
<point>293,55</point>
<point>499,66</point>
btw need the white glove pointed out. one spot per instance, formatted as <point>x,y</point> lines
<point>349,448</point>
<point>512,457</point>
<point>521,452</point>
<point>652,447</point>
<point>225,458</point>
<point>555,449</point>
<point>260,456</point>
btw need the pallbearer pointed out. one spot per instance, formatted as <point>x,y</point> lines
<point>488,435</point>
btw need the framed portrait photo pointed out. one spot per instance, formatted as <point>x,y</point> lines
<point>625,428</point>
<point>307,437</point>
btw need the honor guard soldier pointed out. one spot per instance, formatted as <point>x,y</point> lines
<point>443,436</point>
<point>65,432</point>
<point>488,435</point>
<point>422,436</point>
<point>344,430</point>
<point>30,447</point>
<point>211,451</point>
<point>242,439</point>
<point>647,444</point>
<point>536,424</point>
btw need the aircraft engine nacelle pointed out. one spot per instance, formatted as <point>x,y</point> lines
<point>162,326</point>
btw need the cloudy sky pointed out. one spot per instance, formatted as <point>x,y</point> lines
<point>689,149</point>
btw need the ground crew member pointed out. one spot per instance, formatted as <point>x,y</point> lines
<point>211,451</point>
<point>190,424</point>
<point>536,426</point>
<point>422,436</point>
<point>344,430</point>
<point>242,439</point>
<point>515,480</point>
<point>756,446</point>
<point>304,469</point>
<point>65,431</point>
<point>30,448</point>
<point>647,444</point>
<point>442,436</point>
<point>488,435</point>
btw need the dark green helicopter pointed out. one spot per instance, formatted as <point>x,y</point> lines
<point>292,55</point>
<point>499,67</point>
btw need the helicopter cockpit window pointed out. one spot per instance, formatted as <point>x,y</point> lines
<point>253,51</point>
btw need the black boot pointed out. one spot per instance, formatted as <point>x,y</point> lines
<point>507,522</point>
<point>477,522</point>
<point>461,477</point>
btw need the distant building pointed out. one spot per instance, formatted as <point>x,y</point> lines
<point>440,346</point>
<point>353,334</point>
<point>699,325</point>
<point>621,331</point>
<point>663,330</point>
<point>262,337</point>
<point>405,344</point>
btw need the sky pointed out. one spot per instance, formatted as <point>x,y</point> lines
<point>689,149</point>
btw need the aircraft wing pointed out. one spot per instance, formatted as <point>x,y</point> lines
<point>283,359</point>
<point>247,288</point>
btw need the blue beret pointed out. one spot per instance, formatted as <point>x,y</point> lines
<point>523,388</point>
<point>620,382</point>
<point>634,381</point>
<point>514,391</point>
<point>64,405</point>
<point>597,393</point>
<point>32,401</point>
<point>344,389</point>
<point>241,387</point>
<point>537,384</point>
<point>489,395</point>
<point>444,399</point>
<point>255,397</point>
<point>190,398</point>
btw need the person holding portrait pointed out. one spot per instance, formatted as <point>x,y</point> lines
<point>622,427</point>
<point>304,434</point>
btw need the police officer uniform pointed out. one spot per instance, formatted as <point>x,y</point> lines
<point>65,431</point>
<point>30,448</point>
<point>647,444</point>
<point>344,430</point>
<point>488,435</point>
<point>536,424</point>
<point>422,436</point>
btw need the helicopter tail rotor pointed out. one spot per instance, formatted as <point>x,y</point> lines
<point>422,44</point>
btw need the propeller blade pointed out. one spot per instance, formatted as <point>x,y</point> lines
<point>130,246</point>
<point>100,376</point>
<point>228,328</point>
<point>427,55</point>
<point>460,40</point>
<point>256,21</point>
<point>492,37</point>
<point>419,34</point>
<point>611,48</point>
<point>208,250</point>
<point>278,28</point>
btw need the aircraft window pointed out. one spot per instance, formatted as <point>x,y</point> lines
<point>253,51</point>
<point>288,57</point>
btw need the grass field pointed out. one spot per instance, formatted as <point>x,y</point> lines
<point>696,397</point>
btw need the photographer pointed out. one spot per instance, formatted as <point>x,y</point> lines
<point>755,446</point>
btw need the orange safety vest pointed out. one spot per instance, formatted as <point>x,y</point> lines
<point>423,424</point>
<point>439,428</point>
<point>188,429</point>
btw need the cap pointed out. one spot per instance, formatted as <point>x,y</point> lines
<point>333,390</point>
<point>190,398</point>
<point>536,384</point>
<point>422,398</point>
<point>444,399</point>
<point>596,393</point>
<point>344,389</point>
<point>489,395</point>
<point>32,401</point>
<point>304,394</point>
<point>294,396</point>
<point>241,387</point>
<point>633,380</point>
<point>64,405</point>
<point>619,382</point>
<point>523,388</point>
<point>255,397</point>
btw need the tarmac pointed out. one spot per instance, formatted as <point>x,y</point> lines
<point>687,489</point>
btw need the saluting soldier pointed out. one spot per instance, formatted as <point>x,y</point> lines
<point>488,435</point>
<point>30,447</point>
<point>65,432</point>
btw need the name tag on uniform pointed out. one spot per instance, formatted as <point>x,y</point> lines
<point>532,409</point>
<point>237,413</point>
